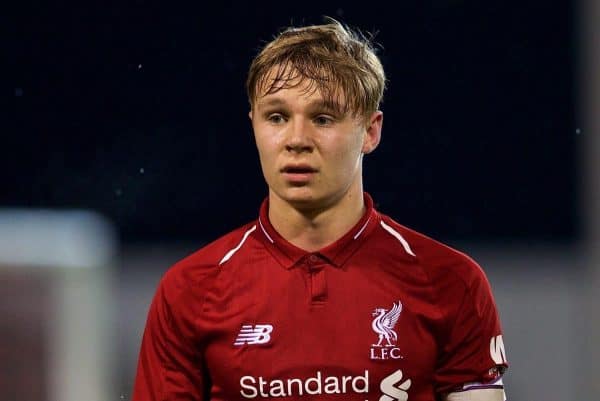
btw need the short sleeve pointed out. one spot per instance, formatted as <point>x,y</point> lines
<point>169,365</point>
<point>474,348</point>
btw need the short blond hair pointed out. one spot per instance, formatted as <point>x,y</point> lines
<point>336,60</point>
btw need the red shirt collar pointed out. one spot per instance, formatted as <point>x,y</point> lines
<point>288,255</point>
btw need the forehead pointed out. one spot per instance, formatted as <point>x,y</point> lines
<point>279,83</point>
<point>302,95</point>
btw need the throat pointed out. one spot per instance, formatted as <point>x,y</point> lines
<point>312,230</point>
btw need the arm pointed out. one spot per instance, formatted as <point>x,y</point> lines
<point>169,367</point>
<point>472,359</point>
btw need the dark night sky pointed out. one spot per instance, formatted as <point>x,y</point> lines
<point>139,112</point>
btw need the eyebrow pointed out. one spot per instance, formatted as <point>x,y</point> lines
<point>274,101</point>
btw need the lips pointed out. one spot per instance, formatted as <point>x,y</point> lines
<point>298,169</point>
<point>298,174</point>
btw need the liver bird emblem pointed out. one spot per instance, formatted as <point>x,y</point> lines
<point>384,323</point>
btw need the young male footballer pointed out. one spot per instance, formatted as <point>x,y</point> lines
<point>322,297</point>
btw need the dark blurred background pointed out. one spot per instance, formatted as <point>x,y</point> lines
<point>138,111</point>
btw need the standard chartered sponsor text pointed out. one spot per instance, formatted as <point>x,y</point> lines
<point>252,387</point>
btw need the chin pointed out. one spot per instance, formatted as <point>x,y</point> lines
<point>306,198</point>
<point>299,196</point>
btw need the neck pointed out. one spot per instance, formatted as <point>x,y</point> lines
<point>314,228</point>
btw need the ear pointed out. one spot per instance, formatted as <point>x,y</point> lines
<point>372,136</point>
<point>250,114</point>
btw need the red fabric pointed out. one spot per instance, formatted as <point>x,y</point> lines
<point>323,310</point>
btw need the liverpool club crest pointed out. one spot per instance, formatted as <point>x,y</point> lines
<point>383,325</point>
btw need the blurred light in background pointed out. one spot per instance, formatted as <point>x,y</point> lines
<point>57,308</point>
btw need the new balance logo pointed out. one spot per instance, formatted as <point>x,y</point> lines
<point>393,388</point>
<point>258,334</point>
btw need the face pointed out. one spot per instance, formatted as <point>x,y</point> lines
<point>311,155</point>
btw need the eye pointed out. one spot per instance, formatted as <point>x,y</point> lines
<point>324,120</point>
<point>276,118</point>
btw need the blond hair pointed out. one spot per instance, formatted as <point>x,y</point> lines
<point>336,61</point>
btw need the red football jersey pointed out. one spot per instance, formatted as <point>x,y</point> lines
<point>384,313</point>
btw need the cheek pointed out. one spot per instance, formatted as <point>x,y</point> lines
<point>344,161</point>
<point>261,142</point>
<point>267,140</point>
<point>267,152</point>
<point>349,155</point>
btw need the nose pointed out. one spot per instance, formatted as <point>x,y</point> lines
<point>299,139</point>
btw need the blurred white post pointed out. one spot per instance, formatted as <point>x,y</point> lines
<point>590,89</point>
<point>69,254</point>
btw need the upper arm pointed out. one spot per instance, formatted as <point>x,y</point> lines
<point>473,349</point>
<point>169,365</point>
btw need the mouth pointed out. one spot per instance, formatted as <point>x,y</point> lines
<point>298,174</point>
<point>298,169</point>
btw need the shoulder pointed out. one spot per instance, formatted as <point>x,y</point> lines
<point>438,260</point>
<point>202,266</point>
<point>458,284</point>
